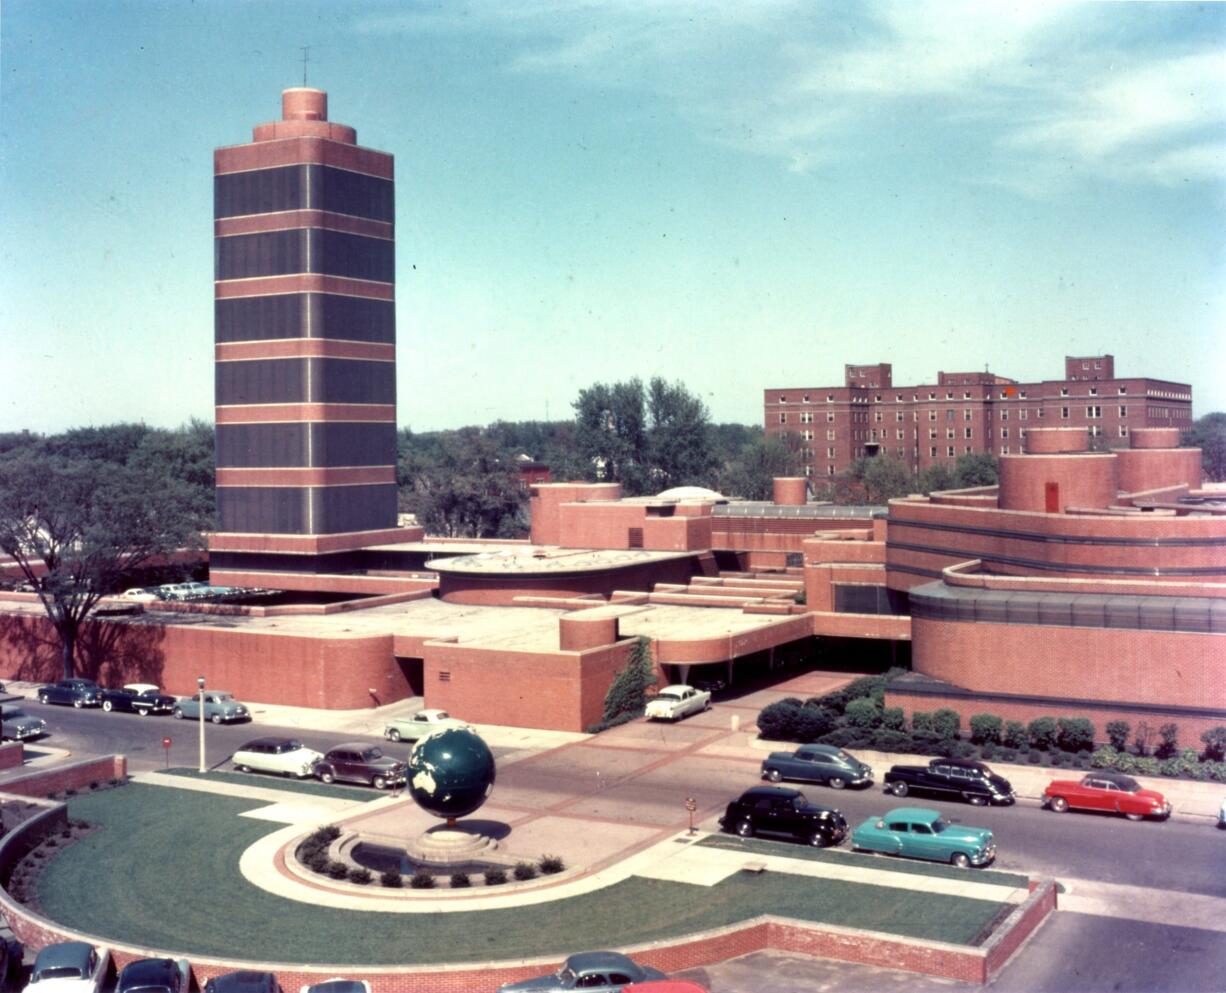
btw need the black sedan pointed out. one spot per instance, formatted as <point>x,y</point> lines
<point>953,779</point>
<point>75,692</point>
<point>139,698</point>
<point>154,976</point>
<point>779,810</point>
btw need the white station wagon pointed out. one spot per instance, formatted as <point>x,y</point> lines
<point>677,701</point>
<point>422,723</point>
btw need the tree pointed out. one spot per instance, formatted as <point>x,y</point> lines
<point>77,526</point>
<point>1208,433</point>
<point>976,469</point>
<point>937,477</point>
<point>460,487</point>
<point>751,473</point>
<point>628,691</point>
<point>679,447</point>
<point>883,477</point>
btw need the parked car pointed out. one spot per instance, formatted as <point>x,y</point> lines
<point>422,723</point>
<point>782,810</point>
<point>817,764</point>
<point>610,971</point>
<point>283,756</point>
<point>1221,815</point>
<point>69,967</point>
<point>154,976</point>
<point>77,692</point>
<point>919,833</point>
<point>338,986</point>
<point>959,779</point>
<point>677,701</point>
<point>246,981</point>
<point>358,762</point>
<point>141,594</point>
<point>20,726</point>
<point>219,707</point>
<point>1112,792</point>
<point>140,698</point>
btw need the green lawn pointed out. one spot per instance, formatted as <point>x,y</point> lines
<point>759,847</point>
<point>163,872</point>
<point>268,782</point>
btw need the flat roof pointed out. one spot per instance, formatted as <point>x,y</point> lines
<point>541,559</point>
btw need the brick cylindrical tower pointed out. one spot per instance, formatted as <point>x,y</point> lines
<point>305,335</point>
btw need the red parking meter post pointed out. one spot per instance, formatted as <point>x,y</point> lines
<point>691,805</point>
<point>166,749</point>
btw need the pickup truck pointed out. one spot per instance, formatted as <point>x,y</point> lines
<point>958,779</point>
<point>674,702</point>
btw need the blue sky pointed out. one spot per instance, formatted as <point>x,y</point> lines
<point>737,195</point>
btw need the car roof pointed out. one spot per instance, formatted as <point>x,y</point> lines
<point>338,986</point>
<point>676,686</point>
<point>63,953</point>
<point>244,981</point>
<point>431,712</point>
<point>1119,778</point>
<point>597,960</point>
<point>923,815</point>
<point>144,971</point>
<point>269,741</point>
<point>823,749</point>
<point>140,687</point>
<point>776,791</point>
<point>960,763</point>
<point>353,746</point>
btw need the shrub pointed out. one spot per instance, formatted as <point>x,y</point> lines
<point>1169,767</point>
<point>1141,738</point>
<point>835,701</point>
<point>391,879</point>
<point>1117,734</point>
<point>459,880</point>
<point>1104,757</point>
<point>1216,771</point>
<point>360,876</point>
<point>338,870</point>
<point>947,723</point>
<point>1215,744</point>
<point>524,871</point>
<point>1126,763</point>
<point>987,751</point>
<point>1168,743</point>
<point>921,720</point>
<point>50,842</point>
<point>1081,760</point>
<point>1059,759</point>
<point>319,863</point>
<point>70,792</point>
<point>551,864</point>
<point>1076,734</point>
<point>1043,732</point>
<point>891,741</point>
<point>777,721</point>
<point>986,729</point>
<point>93,784</point>
<point>925,743</point>
<point>1015,735</point>
<point>893,719</point>
<point>628,691</point>
<point>813,722</point>
<point>325,835</point>
<point>421,881</point>
<point>495,877</point>
<point>863,713</point>
<point>66,833</point>
<point>1007,754</point>
<point>1034,758</point>
<point>1148,766</point>
<point>847,738</point>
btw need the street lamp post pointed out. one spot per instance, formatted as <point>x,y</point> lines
<point>200,684</point>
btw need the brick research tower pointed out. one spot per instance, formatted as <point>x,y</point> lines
<point>305,334</point>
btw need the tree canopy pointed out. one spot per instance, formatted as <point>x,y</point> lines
<point>77,526</point>
<point>1208,433</point>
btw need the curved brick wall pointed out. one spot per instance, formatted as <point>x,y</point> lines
<point>1055,440</point>
<point>455,587</point>
<point>1143,468</point>
<point>1154,438</point>
<point>791,491</point>
<point>1082,480</point>
<point>577,633</point>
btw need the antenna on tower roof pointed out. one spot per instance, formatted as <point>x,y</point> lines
<point>306,57</point>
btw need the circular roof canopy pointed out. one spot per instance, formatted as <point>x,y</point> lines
<point>692,493</point>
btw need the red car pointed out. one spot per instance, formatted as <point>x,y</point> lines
<point>1109,791</point>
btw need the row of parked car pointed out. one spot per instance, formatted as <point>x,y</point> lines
<point>79,967</point>
<point>145,699</point>
<point>914,832</point>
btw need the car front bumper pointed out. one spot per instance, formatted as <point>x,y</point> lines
<point>989,855</point>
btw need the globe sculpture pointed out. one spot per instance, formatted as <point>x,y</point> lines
<point>451,772</point>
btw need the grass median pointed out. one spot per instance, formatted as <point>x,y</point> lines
<point>163,872</point>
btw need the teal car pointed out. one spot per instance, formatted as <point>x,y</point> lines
<point>919,833</point>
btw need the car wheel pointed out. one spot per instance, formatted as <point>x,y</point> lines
<point>144,711</point>
<point>1134,817</point>
<point>976,800</point>
<point>898,789</point>
<point>706,706</point>
<point>378,782</point>
<point>177,714</point>
<point>393,734</point>
<point>774,775</point>
<point>244,768</point>
<point>744,829</point>
<point>836,782</point>
<point>107,706</point>
<point>42,698</point>
<point>325,776</point>
<point>216,718</point>
<point>1059,804</point>
<point>78,704</point>
<point>960,860</point>
<point>818,840</point>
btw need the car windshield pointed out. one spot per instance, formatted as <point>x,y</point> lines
<point>938,826</point>
<point>566,976</point>
<point>800,800</point>
<point>289,746</point>
<point>12,713</point>
<point>372,753</point>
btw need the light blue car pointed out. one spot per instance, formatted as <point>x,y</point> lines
<point>920,833</point>
<point>219,707</point>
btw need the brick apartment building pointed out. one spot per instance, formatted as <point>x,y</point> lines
<point>966,412</point>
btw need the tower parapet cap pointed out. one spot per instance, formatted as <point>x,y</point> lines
<point>304,114</point>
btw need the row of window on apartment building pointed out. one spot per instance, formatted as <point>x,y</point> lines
<point>1093,412</point>
<point>1010,394</point>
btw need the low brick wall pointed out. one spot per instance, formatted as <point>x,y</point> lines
<point>12,755</point>
<point>71,775</point>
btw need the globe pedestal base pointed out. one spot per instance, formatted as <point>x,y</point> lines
<point>444,843</point>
